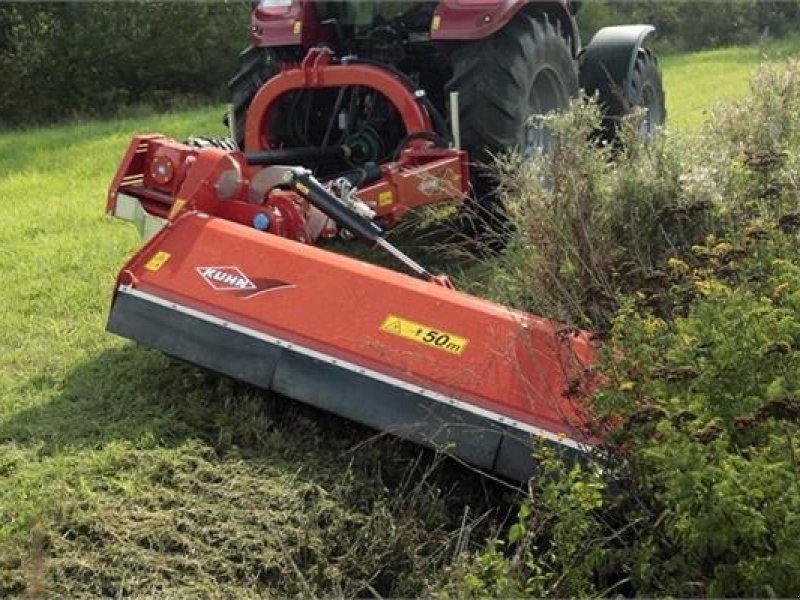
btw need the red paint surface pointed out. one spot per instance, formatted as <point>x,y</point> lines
<point>514,364</point>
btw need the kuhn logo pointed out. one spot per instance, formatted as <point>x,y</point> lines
<point>236,283</point>
<point>226,278</point>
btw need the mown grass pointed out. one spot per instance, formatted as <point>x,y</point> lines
<point>122,471</point>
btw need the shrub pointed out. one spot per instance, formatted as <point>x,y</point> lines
<point>63,59</point>
<point>694,491</point>
<point>690,25</point>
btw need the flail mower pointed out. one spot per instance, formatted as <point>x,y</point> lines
<point>231,278</point>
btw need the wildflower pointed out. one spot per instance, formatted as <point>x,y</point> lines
<point>677,265</point>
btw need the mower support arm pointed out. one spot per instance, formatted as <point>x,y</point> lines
<point>306,185</point>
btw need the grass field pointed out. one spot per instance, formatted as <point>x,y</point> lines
<point>695,82</point>
<point>131,472</point>
<point>121,470</point>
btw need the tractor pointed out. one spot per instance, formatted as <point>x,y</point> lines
<point>482,69</point>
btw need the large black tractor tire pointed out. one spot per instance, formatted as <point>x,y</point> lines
<point>619,96</point>
<point>648,91</point>
<point>256,66</point>
<point>523,70</point>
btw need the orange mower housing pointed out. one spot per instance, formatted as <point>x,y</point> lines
<point>261,304</point>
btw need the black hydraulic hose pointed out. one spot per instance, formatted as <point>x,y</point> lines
<point>312,190</point>
<point>351,111</point>
<point>438,121</point>
<point>296,156</point>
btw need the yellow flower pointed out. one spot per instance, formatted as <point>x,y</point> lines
<point>780,289</point>
<point>654,325</point>
<point>677,265</point>
<point>704,287</point>
<point>722,248</point>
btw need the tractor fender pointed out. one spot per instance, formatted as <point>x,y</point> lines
<point>457,20</point>
<point>606,64</point>
<point>294,24</point>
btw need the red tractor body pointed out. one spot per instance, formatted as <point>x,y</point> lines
<point>480,73</point>
<point>297,22</point>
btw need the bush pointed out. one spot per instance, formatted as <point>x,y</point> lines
<point>60,60</point>
<point>589,219</point>
<point>693,243</point>
<point>690,25</point>
<point>593,221</point>
<point>63,59</point>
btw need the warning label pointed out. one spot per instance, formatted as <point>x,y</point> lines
<point>157,261</point>
<point>429,336</point>
<point>385,198</point>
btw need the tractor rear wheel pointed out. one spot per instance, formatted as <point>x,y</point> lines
<point>256,66</point>
<point>523,70</point>
<point>648,91</point>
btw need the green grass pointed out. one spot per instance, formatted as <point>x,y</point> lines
<point>695,82</point>
<point>123,471</point>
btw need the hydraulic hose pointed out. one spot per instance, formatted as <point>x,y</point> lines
<point>438,121</point>
<point>296,156</point>
<point>301,181</point>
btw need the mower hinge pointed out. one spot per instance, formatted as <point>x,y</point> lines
<point>313,64</point>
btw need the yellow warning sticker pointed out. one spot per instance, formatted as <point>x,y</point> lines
<point>177,207</point>
<point>436,23</point>
<point>385,198</point>
<point>158,260</point>
<point>297,27</point>
<point>429,336</point>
